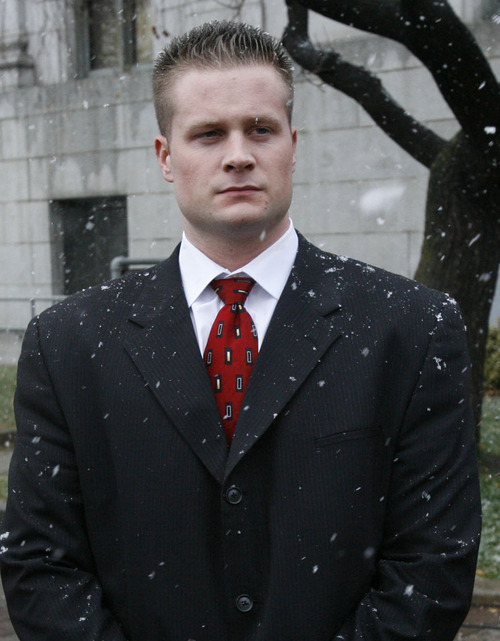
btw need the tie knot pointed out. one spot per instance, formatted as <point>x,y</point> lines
<point>233,290</point>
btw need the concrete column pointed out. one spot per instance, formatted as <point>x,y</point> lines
<point>17,67</point>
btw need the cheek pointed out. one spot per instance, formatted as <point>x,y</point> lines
<point>190,184</point>
<point>185,173</point>
<point>285,162</point>
<point>286,170</point>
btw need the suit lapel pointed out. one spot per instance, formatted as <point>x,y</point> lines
<point>165,351</point>
<point>303,326</point>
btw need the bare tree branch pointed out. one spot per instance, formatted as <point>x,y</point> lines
<point>381,17</point>
<point>435,35</point>
<point>466,81</point>
<point>365,88</point>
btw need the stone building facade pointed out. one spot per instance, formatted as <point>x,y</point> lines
<point>79,178</point>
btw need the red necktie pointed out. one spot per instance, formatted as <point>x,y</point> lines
<point>231,349</point>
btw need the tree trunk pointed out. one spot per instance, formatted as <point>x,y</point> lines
<point>461,248</point>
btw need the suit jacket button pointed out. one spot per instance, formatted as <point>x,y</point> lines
<point>244,603</point>
<point>234,495</point>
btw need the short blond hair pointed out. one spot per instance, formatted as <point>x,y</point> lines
<point>216,45</point>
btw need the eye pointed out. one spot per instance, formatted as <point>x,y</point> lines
<point>262,131</point>
<point>208,135</point>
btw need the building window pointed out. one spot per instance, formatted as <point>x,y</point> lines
<point>103,34</point>
<point>86,235</point>
<point>113,34</point>
<point>491,10</point>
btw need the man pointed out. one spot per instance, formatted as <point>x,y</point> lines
<point>339,502</point>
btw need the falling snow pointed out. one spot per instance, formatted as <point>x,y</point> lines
<point>380,199</point>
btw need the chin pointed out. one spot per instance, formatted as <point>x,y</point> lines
<point>256,227</point>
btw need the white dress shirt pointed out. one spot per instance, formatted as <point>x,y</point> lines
<point>270,270</point>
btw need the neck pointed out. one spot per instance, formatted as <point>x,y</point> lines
<point>234,252</point>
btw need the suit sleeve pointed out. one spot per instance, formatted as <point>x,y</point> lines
<point>48,572</point>
<point>426,565</point>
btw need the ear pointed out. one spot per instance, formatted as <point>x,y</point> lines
<point>163,155</point>
<point>294,146</point>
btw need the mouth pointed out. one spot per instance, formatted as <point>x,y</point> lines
<point>238,189</point>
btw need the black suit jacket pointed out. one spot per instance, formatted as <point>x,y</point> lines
<point>346,508</point>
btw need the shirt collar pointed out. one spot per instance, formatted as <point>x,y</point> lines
<point>270,269</point>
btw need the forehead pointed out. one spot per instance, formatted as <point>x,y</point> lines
<point>233,90</point>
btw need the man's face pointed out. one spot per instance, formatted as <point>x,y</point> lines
<point>230,154</point>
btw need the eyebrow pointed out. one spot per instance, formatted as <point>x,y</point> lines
<point>204,124</point>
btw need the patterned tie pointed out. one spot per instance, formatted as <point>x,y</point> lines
<point>231,349</point>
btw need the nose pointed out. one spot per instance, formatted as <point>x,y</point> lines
<point>237,154</point>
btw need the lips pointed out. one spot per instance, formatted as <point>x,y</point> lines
<point>239,189</point>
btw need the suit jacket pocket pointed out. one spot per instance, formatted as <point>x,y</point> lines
<point>347,435</point>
